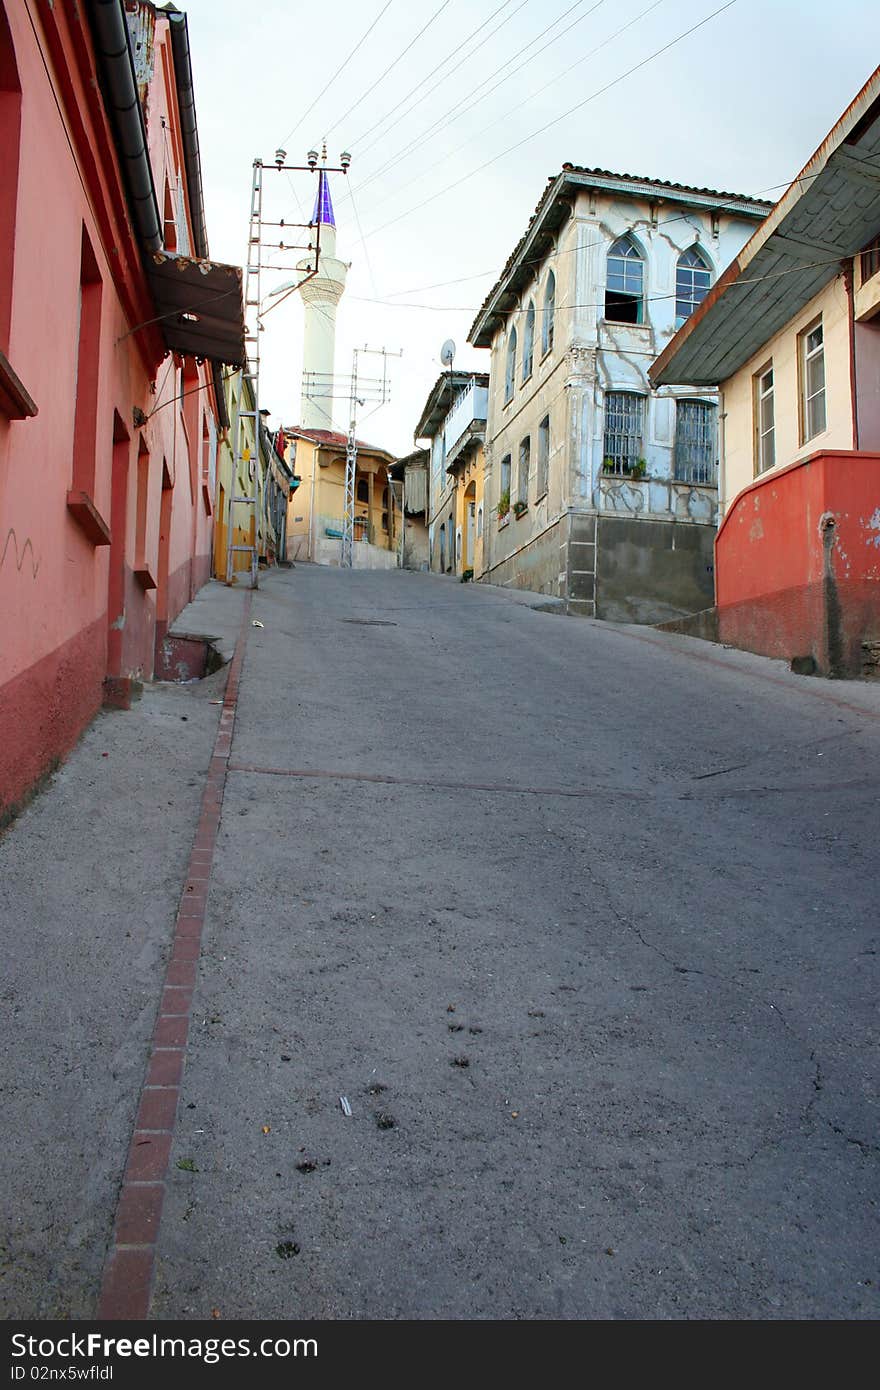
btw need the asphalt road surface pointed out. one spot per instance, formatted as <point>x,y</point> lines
<point>581,920</point>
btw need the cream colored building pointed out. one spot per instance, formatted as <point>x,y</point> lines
<point>315,512</point>
<point>599,489</point>
<point>453,423</point>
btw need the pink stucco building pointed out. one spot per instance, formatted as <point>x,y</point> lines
<point>113,324</point>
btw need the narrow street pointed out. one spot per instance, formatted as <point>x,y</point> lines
<point>581,920</point>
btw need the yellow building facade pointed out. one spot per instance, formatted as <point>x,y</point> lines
<point>315,512</point>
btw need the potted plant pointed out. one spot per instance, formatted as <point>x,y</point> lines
<point>638,469</point>
<point>504,504</point>
<point>608,465</point>
<point>519,507</point>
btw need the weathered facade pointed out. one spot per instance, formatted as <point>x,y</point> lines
<point>411,476</point>
<point>110,318</point>
<point>598,488</point>
<point>453,423</point>
<point>315,512</point>
<point>792,337</point>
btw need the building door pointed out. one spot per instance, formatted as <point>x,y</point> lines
<point>118,528</point>
<point>470,509</point>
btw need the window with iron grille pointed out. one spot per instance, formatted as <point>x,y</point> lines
<point>543,457</point>
<point>696,434</point>
<point>624,293</point>
<point>812,364</point>
<point>870,259</point>
<point>624,430</point>
<point>692,281</point>
<point>522,477</point>
<point>765,421</point>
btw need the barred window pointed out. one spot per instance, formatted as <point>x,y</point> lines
<point>696,433</point>
<point>624,294</point>
<point>624,430</point>
<point>692,281</point>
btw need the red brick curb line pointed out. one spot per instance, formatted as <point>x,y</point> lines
<point>131,1261</point>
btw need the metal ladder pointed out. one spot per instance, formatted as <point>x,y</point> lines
<point>250,373</point>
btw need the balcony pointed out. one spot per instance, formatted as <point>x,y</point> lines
<point>466,419</point>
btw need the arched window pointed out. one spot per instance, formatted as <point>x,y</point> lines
<point>625,290</point>
<point>692,281</point>
<point>549,314</point>
<point>528,342</point>
<point>384,497</point>
<point>510,372</point>
<point>363,490</point>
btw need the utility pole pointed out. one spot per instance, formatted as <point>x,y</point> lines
<point>254,315</point>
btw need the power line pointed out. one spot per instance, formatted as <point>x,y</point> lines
<point>391,65</point>
<point>443,121</point>
<point>532,95</point>
<point>571,110</point>
<point>451,54</point>
<point>340,69</point>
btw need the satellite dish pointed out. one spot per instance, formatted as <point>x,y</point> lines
<point>447,353</point>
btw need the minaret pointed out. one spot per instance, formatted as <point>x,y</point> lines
<point>320,295</point>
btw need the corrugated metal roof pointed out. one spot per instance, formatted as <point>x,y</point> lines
<point>552,211</point>
<point>830,211</point>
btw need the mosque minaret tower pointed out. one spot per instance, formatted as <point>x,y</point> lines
<point>320,295</point>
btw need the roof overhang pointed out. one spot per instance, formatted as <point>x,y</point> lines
<point>827,215</point>
<point>553,210</point>
<point>199,305</point>
<point>441,399</point>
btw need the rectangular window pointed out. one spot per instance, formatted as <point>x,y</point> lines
<point>525,457</point>
<point>88,368</point>
<point>812,365</point>
<point>543,457</point>
<point>504,491</point>
<point>624,430</point>
<point>696,452</point>
<point>869,259</point>
<point>765,422</point>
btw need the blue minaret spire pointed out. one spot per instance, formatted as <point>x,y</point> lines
<point>323,209</point>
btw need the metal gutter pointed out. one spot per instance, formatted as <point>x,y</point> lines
<point>119,85</point>
<point>188,128</point>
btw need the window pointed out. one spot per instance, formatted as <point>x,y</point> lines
<point>522,477</point>
<point>510,372</point>
<point>363,490</point>
<point>696,433</point>
<point>812,363</point>
<point>479,521</point>
<point>624,428</point>
<point>384,497</point>
<point>548,315</point>
<point>384,521</point>
<point>543,457</point>
<point>505,482</point>
<point>624,293</point>
<point>765,420</point>
<point>692,280</point>
<point>528,343</point>
<point>85,425</point>
<point>10,140</point>
<point>869,259</point>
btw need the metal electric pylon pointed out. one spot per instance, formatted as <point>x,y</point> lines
<point>244,466</point>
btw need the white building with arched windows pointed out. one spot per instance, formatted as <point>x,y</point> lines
<point>598,489</point>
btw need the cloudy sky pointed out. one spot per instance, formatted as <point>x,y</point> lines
<point>457,111</point>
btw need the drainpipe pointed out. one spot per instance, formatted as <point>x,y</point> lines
<point>119,87</point>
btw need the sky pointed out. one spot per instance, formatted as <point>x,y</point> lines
<point>456,112</point>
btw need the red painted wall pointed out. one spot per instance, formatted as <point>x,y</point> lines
<point>75,612</point>
<point>797,562</point>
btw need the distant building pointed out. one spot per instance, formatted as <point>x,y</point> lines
<point>791,334</point>
<point>599,489</point>
<point>453,422</point>
<point>315,511</point>
<point>411,475</point>
<point>113,324</point>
